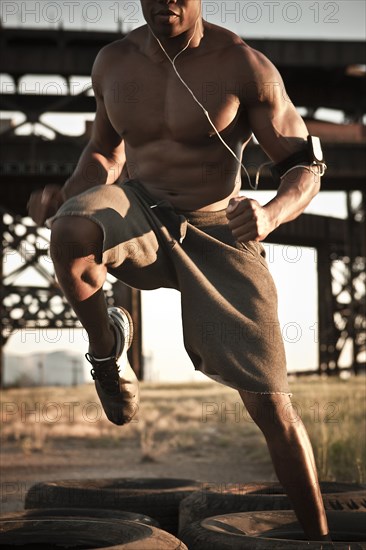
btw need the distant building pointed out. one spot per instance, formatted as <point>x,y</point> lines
<point>59,368</point>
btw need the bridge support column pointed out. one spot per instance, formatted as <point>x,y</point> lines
<point>327,337</point>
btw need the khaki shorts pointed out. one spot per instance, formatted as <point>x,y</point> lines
<point>229,301</point>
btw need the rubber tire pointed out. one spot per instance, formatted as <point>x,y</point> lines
<point>56,533</point>
<point>74,513</point>
<point>231,498</point>
<point>256,531</point>
<point>155,497</point>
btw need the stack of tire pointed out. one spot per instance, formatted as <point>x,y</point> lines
<point>83,528</point>
<point>143,514</point>
<point>258,516</point>
<point>133,514</point>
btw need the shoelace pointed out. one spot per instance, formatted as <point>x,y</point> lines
<point>106,372</point>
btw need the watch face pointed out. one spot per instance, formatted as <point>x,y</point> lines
<point>317,148</point>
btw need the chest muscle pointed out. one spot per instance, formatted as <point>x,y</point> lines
<point>150,103</point>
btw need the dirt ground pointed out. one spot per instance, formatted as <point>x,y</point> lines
<point>170,439</point>
<point>66,461</point>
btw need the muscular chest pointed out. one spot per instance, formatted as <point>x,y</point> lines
<point>147,101</point>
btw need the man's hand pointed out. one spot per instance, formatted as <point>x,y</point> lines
<point>248,220</point>
<point>44,203</point>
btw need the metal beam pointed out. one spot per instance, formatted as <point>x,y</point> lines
<point>29,51</point>
<point>323,54</point>
<point>29,163</point>
<point>315,87</point>
<point>39,104</point>
<point>67,53</point>
<point>329,89</point>
<point>35,51</point>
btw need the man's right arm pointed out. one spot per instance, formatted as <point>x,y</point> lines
<point>101,162</point>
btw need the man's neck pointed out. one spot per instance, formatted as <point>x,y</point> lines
<point>174,45</point>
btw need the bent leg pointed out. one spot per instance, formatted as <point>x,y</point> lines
<point>105,229</point>
<point>292,457</point>
<point>76,251</point>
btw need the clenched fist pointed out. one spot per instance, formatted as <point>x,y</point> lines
<point>44,203</point>
<point>248,220</point>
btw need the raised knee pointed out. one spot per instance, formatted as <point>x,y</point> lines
<point>76,228</point>
<point>75,237</point>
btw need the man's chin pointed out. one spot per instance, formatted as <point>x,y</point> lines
<point>167,27</point>
<point>167,31</point>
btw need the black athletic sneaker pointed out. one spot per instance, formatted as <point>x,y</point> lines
<point>115,381</point>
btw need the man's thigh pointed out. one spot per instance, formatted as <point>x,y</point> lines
<point>133,248</point>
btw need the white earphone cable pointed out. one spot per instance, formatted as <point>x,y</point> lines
<point>172,61</point>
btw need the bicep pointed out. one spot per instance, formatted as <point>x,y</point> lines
<point>274,120</point>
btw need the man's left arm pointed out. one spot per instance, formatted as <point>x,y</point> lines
<point>281,132</point>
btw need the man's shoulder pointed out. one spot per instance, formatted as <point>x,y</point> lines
<point>123,46</point>
<point>218,38</point>
<point>235,47</point>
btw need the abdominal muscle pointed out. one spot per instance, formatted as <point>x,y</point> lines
<point>190,179</point>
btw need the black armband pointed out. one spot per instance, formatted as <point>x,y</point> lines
<point>312,155</point>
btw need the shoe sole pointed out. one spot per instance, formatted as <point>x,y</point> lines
<point>129,329</point>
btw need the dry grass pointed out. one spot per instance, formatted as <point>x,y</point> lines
<point>189,416</point>
<point>334,414</point>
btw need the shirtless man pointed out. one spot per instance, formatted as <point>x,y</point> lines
<point>175,203</point>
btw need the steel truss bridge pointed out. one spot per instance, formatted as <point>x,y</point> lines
<point>317,74</point>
